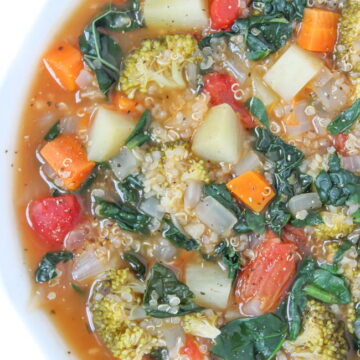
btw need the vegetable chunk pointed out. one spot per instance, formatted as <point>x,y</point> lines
<point>252,189</point>
<point>68,159</point>
<point>64,64</point>
<point>292,71</point>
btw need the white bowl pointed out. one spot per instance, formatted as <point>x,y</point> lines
<point>14,278</point>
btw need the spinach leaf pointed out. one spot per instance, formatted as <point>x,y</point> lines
<point>292,10</point>
<point>163,286</point>
<point>264,34</point>
<point>160,354</point>
<point>258,109</point>
<point>139,135</point>
<point>77,289</point>
<point>135,264</point>
<point>311,219</point>
<point>229,257</point>
<point>126,216</point>
<point>344,247</point>
<point>345,120</point>
<point>172,233</point>
<point>337,185</point>
<point>255,222</point>
<point>47,267</point>
<point>250,338</point>
<point>131,190</point>
<point>53,132</point>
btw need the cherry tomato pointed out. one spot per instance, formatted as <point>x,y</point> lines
<point>191,349</point>
<point>223,13</point>
<point>339,143</point>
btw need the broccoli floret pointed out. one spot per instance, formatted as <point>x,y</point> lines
<point>161,61</point>
<point>112,302</point>
<point>199,324</point>
<point>322,338</point>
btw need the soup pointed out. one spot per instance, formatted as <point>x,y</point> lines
<point>188,180</point>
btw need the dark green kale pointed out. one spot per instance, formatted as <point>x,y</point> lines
<point>131,190</point>
<point>258,109</point>
<point>140,135</point>
<point>292,10</point>
<point>53,132</point>
<point>345,120</point>
<point>312,219</point>
<point>229,257</point>
<point>135,264</point>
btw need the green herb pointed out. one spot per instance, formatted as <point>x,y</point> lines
<point>337,185</point>
<point>229,257</point>
<point>344,247</point>
<point>345,120</point>
<point>140,135</point>
<point>357,327</point>
<point>163,285</point>
<point>312,219</point>
<point>47,267</point>
<point>127,217</point>
<point>131,190</point>
<point>356,216</point>
<point>160,354</point>
<point>77,289</point>
<point>250,338</point>
<point>135,264</point>
<point>277,215</point>
<point>54,132</point>
<point>172,233</point>
<point>292,10</point>
<point>258,109</point>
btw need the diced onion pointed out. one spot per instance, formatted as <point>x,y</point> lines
<point>86,266</point>
<point>124,163</point>
<point>192,194</point>
<point>69,125</point>
<point>351,163</point>
<point>74,239</point>
<point>84,79</point>
<point>309,201</point>
<point>304,123</point>
<point>215,216</point>
<point>250,162</point>
<point>164,250</point>
<point>151,207</point>
<point>137,313</point>
<point>175,339</point>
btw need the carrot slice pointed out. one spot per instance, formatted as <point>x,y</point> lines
<point>252,189</point>
<point>67,157</point>
<point>64,64</point>
<point>318,30</point>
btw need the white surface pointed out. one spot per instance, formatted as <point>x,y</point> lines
<point>19,326</point>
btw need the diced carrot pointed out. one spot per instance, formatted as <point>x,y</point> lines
<point>67,157</point>
<point>64,64</point>
<point>318,30</point>
<point>124,104</point>
<point>252,189</point>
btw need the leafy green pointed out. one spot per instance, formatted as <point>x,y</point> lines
<point>172,233</point>
<point>140,135</point>
<point>47,267</point>
<point>277,215</point>
<point>159,354</point>
<point>53,132</point>
<point>258,109</point>
<point>229,257</point>
<point>356,216</point>
<point>250,338</point>
<point>135,264</point>
<point>77,289</point>
<point>292,10</point>
<point>131,190</point>
<point>337,185</point>
<point>312,219</point>
<point>344,247</point>
<point>164,285</point>
<point>345,120</point>
<point>126,216</point>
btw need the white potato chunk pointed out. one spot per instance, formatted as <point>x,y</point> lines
<point>220,137</point>
<point>108,133</point>
<point>262,91</point>
<point>292,71</point>
<point>176,14</point>
<point>210,285</point>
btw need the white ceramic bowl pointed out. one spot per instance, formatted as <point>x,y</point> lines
<point>14,279</point>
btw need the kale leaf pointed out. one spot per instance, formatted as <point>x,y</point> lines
<point>131,190</point>
<point>140,135</point>
<point>344,247</point>
<point>345,120</point>
<point>337,185</point>
<point>53,132</point>
<point>135,264</point>
<point>250,338</point>
<point>258,109</point>
<point>229,257</point>
<point>312,219</point>
<point>292,10</point>
<point>160,354</point>
<point>162,286</point>
<point>47,267</point>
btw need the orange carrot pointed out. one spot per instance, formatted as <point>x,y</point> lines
<point>64,64</point>
<point>124,104</point>
<point>67,157</point>
<point>318,30</point>
<point>252,189</point>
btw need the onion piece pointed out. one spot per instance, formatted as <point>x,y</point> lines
<point>69,125</point>
<point>351,163</point>
<point>250,162</point>
<point>309,201</point>
<point>124,163</point>
<point>84,79</point>
<point>303,120</point>
<point>86,266</point>
<point>151,206</point>
<point>175,339</point>
<point>74,239</point>
<point>164,250</point>
<point>137,313</point>
<point>192,194</point>
<point>215,216</point>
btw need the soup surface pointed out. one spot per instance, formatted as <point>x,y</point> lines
<point>188,180</point>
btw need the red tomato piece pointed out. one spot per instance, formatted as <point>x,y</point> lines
<point>219,87</point>
<point>261,286</point>
<point>296,235</point>
<point>339,143</point>
<point>191,349</point>
<point>52,218</point>
<point>223,13</point>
